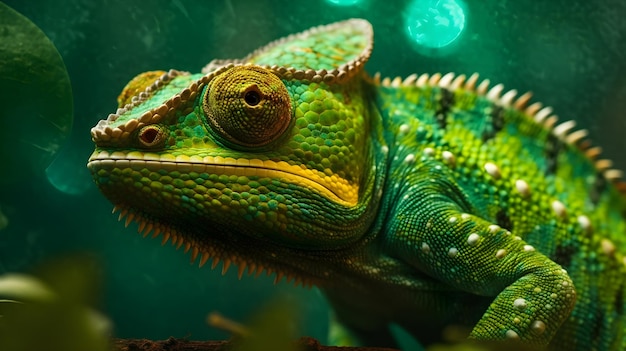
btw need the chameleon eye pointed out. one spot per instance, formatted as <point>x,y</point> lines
<point>152,136</point>
<point>247,106</point>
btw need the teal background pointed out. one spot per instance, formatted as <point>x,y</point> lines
<point>571,54</point>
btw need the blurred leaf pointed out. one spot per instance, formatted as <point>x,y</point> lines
<point>74,278</point>
<point>54,311</point>
<point>273,328</point>
<point>35,95</point>
<point>25,288</point>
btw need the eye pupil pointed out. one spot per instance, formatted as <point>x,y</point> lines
<point>149,135</point>
<point>252,98</point>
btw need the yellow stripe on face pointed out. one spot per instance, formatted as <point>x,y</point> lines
<point>332,187</point>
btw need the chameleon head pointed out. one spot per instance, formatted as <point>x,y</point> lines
<point>259,152</point>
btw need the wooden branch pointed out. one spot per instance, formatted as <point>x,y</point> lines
<point>172,344</point>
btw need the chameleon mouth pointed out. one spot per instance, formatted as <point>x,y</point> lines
<point>331,187</point>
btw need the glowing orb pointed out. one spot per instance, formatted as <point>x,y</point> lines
<point>435,24</point>
<point>343,2</point>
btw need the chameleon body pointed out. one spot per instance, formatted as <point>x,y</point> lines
<point>428,202</point>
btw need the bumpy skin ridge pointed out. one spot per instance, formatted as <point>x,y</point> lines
<point>430,201</point>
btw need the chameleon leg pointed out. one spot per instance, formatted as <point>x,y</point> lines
<point>433,232</point>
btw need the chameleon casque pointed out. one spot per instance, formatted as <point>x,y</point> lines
<point>427,202</point>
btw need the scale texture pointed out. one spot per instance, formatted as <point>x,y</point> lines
<point>431,202</point>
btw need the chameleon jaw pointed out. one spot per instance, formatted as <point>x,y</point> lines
<point>207,248</point>
<point>334,188</point>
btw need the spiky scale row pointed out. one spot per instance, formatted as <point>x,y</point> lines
<point>540,114</point>
<point>145,227</point>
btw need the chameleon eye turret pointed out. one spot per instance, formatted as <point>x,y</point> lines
<point>247,106</point>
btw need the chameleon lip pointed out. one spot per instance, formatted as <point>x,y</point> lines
<point>332,187</point>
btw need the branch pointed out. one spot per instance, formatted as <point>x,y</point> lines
<point>172,344</point>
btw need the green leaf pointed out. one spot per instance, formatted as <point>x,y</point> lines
<point>35,95</point>
<point>271,329</point>
<point>53,309</point>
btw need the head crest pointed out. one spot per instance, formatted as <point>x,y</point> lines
<point>330,53</point>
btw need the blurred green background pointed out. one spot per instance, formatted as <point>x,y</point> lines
<point>571,54</point>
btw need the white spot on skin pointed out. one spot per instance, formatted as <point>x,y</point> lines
<point>522,188</point>
<point>448,157</point>
<point>529,248</point>
<point>453,252</point>
<point>473,238</point>
<point>404,129</point>
<point>410,158</point>
<point>558,208</point>
<point>520,304</point>
<point>492,170</point>
<point>538,327</point>
<point>384,149</point>
<point>608,247</point>
<point>429,151</point>
<point>511,334</point>
<point>465,216</point>
<point>500,253</point>
<point>452,219</point>
<point>585,223</point>
<point>425,248</point>
<point>493,228</point>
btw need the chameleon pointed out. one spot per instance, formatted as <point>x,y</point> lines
<point>428,202</point>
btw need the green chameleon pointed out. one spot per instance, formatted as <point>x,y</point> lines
<point>428,202</point>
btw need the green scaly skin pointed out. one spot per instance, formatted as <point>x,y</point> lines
<point>430,202</point>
